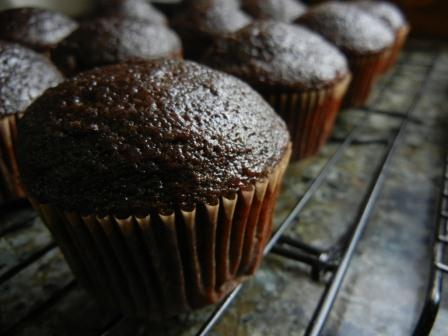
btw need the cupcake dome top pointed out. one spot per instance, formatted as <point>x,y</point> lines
<point>36,28</point>
<point>128,138</point>
<point>281,10</point>
<point>24,75</point>
<point>387,12</point>
<point>274,54</point>
<point>212,18</point>
<point>135,9</point>
<point>114,40</point>
<point>349,28</point>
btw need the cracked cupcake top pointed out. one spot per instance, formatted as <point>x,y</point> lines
<point>386,11</point>
<point>348,27</point>
<point>24,75</point>
<point>271,54</point>
<point>36,28</point>
<point>134,9</point>
<point>212,18</point>
<point>128,138</point>
<point>280,10</point>
<point>114,40</point>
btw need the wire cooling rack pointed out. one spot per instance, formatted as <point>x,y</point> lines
<point>18,272</point>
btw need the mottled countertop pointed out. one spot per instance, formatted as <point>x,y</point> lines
<point>386,282</point>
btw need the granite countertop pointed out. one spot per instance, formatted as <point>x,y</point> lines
<point>386,282</point>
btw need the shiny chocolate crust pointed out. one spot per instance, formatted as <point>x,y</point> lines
<point>274,55</point>
<point>205,20</point>
<point>214,18</point>
<point>134,9</point>
<point>114,40</point>
<point>386,11</point>
<point>130,138</point>
<point>24,75</point>
<point>280,10</point>
<point>36,28</point>
<point>351,29</point>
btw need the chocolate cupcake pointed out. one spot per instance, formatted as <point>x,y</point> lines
<point>366,41</point>
<point>35,28</point>
<point>24,75</point>
<point>199,25</point>
<point>132,9</point>
<point>395,20</point>
<point>157,179</point>
<point>115,40</point>
<point>303,76</point>
<point>279,10</point>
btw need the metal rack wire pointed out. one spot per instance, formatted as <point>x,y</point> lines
<point>337,259</point>
<point>438,265</point>
<point>334,261</point>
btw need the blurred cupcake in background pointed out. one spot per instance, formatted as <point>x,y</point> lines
<point>115,40</point>
<point>299,73</point>
<point>279,10</point>
<point>132,9</point>
<point>365,40</point>
<point>35,28</point>
<point>204,20</point>
<point>395,20</point>
<point>24,75</point>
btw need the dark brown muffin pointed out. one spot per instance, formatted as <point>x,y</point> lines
<point>36,28</point>
<point>24,75</point>
<point>349,28</point>
<point>288,65</point>
<point>133,137</point>
<point>133,9</point>
<point>279,10</point>
<point>212,3</point>
<point>394,18</point>
<point>114,40</point>
<point>204,21</point>
<point>165,173</point>
<point>366,41</point>
<point>271,54</point>
<point>386,11</point>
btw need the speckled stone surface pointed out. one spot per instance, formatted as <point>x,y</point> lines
<point>383,291</point>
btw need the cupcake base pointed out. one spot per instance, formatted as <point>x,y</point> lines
<point>309,115</point>
<point>365,71</point>
<point>10,185</point>
<point>160,265</point>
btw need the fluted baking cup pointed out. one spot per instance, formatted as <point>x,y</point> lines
<point>400,39</point>
<point>309,115</point>
<point>365,71</point>
<point>162,264</point>
<point>10,183</point>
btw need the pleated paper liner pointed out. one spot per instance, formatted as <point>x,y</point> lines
<point>400,39</point>
<point>10,185</point>
<point>365,71</point>
<point>309,115</point>
<point>160,265</point>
